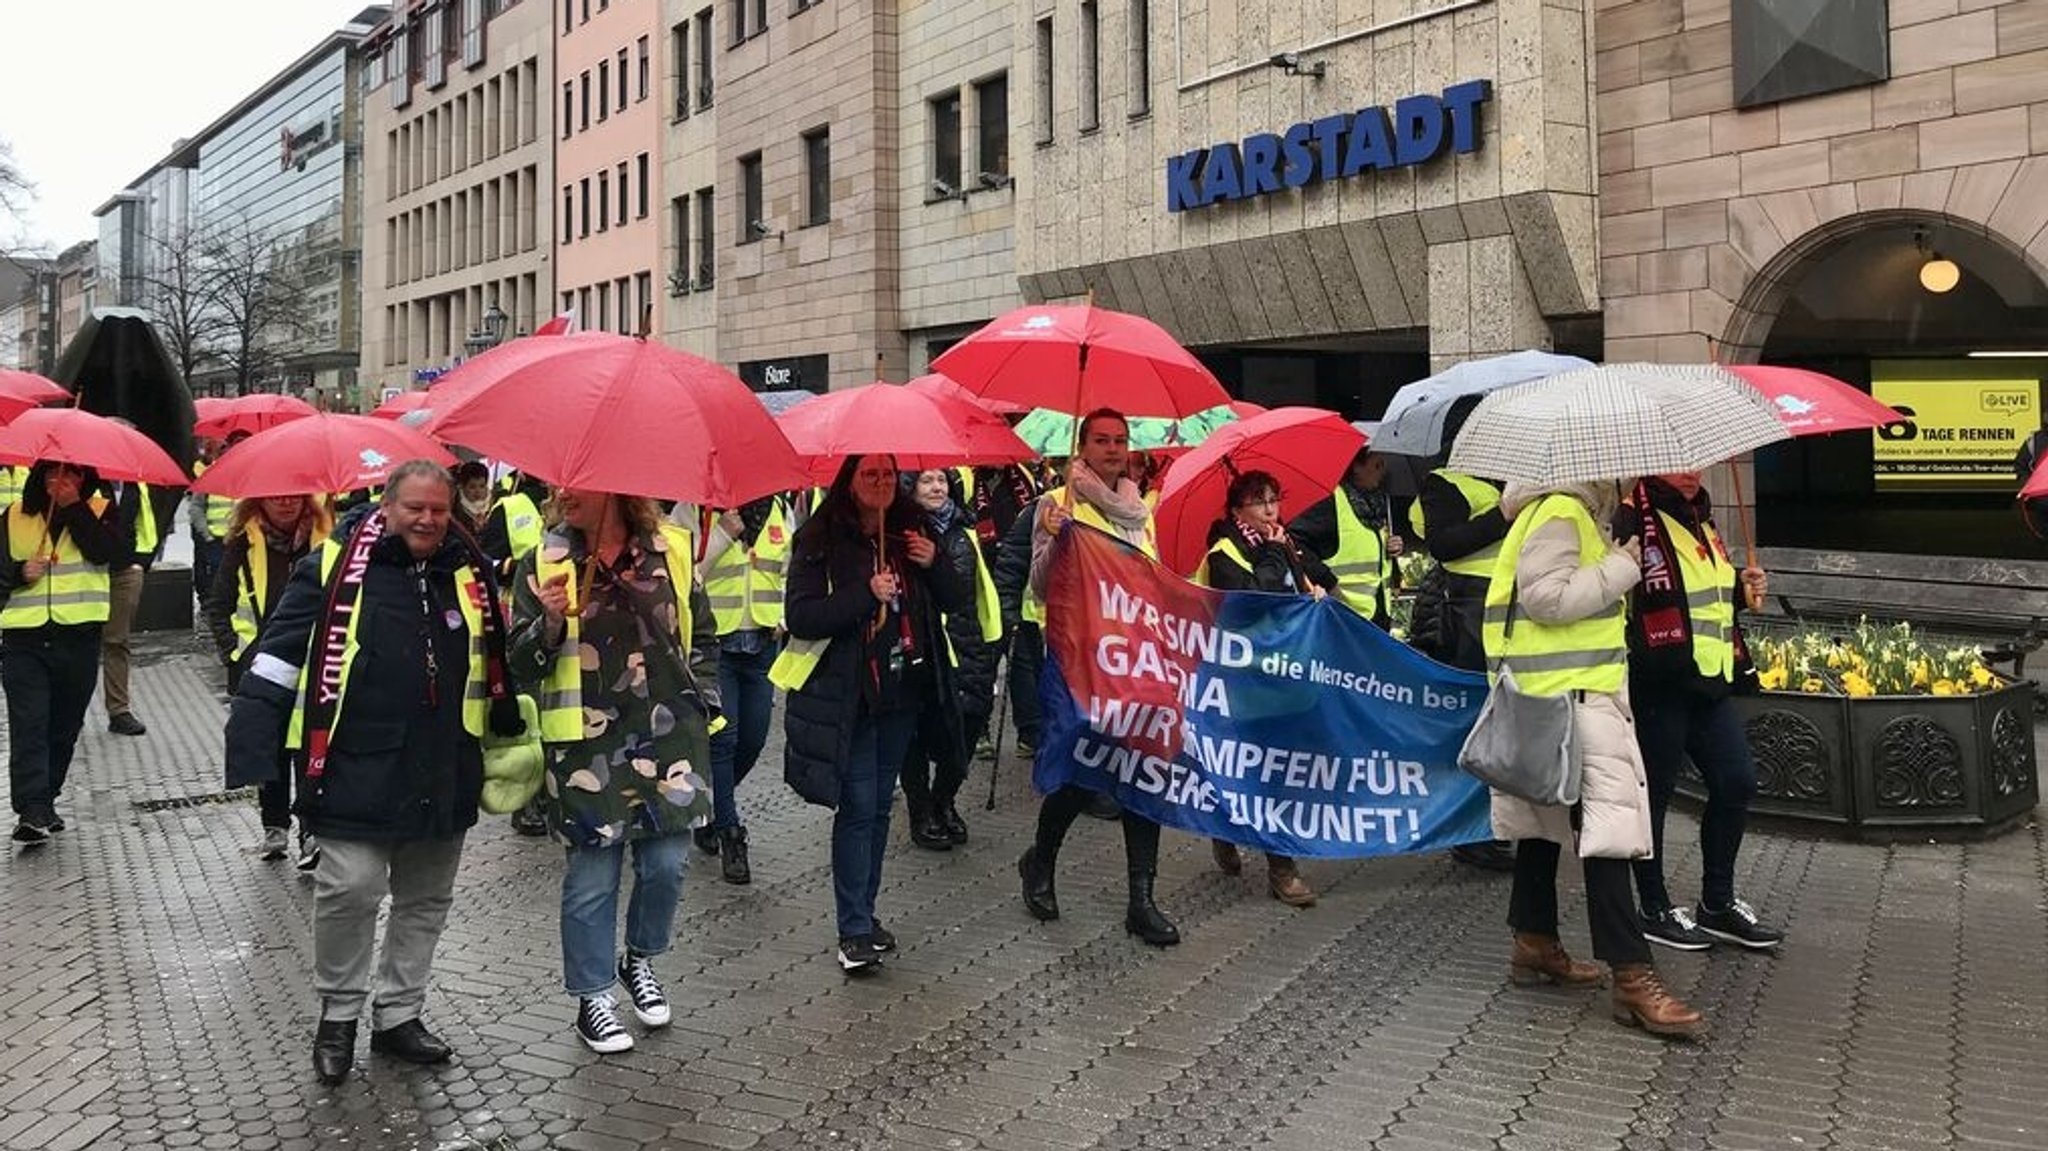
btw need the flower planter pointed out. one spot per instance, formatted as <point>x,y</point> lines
<point>1890,765</point>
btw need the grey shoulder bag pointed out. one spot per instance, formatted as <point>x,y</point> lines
<point>1524,745</point>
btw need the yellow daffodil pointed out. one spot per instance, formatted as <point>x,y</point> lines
<point>1813,685</point>
<point>1982,677</point>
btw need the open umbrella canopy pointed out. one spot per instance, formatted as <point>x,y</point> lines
<point>1306,449</point>
<point>1615,421</point>
<point>618,414</point>
<point>1414,421</point>
<point>1051,433</point>
<point>321,453</point>
<point>938,384</point>
<point>256,412</point>
<point>1812,404</point>
<point>922,428</point>
<point>402,403</point>
<point>20,391</point>
<point>117,365</point>
<point>73,436</point>
<point>1078,357</point>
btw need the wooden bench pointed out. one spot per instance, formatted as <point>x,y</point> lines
<point>2000,605</point>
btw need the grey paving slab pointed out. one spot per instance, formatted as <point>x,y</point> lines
<point>153,993</point>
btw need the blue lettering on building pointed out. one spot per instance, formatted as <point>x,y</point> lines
<point>1416,130</point>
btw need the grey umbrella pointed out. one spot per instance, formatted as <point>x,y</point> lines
<point>1414,422</point>
<point>117,365</point>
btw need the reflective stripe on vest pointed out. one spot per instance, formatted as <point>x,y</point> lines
<point>1709,583</point>
<point>800,657</point>
<point>745,585</point>
<point>475,689</point>
<point>1480,498</point>
<point>1360,562</point>
<point>1223,546</point>
<point>561,693</point>
<point>1034,607</point>
<point>72,590</point>
<point>1552,659</point>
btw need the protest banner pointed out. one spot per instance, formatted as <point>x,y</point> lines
<point>1276,722</point>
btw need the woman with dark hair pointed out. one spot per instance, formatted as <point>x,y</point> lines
<point>265,538</point>
<point>57,594</point>
<point>864,605</point>
<point>936,763</point>
<point>609,622</point>
<point>1249,550</point>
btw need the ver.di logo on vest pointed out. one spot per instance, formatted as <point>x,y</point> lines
<point>1419,129</point>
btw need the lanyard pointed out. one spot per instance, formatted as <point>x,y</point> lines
<point>419,574</point>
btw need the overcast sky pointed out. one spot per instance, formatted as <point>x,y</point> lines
<point>93,92</point>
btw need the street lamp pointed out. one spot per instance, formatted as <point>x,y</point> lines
<point>490,335</point>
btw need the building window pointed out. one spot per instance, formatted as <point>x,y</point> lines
<point>749,19</point>
<point>604,307</point>
<point>992,125</point>
<point>568,20</point>
<point>624,207</point>
<point>1043,81</point>
<point>817,176</point>
<point>679,225</point>
<point>431,30</point>
<point>586,11</point>
<point>472,33</point>
<point>624,80</point>
<point>679,51</point>
<point>945,120</point>
<point>604,90</point>
<point>751,226</point>
<point>1091,67</point>
<point>604,200</point>
<point>583,121</point>
<point>583,208</point>
<point>568,211</point>
<point>706,248</point>
<point>803,6</point>
<point>568,108</point>
<point>704,58</point>
<point>646,70</point>
<point>641,179</point>
<point>583,312</point>
<point>1140,79</point>
<point>643,285</point>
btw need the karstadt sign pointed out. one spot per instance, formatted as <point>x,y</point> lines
<point>1416,130</point>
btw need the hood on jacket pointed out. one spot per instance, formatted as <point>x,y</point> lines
<point>1601,497</point>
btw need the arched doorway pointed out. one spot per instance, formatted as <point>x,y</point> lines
<point>1931,313</point>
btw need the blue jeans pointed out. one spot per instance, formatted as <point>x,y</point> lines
<point>747,699</point>
<point>1670,726</point>
<point>860,826</point>
<point>590,908</point>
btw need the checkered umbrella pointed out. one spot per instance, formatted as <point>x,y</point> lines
<point>1616,421</point>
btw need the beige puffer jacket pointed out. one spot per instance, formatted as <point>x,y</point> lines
<point>1554,586</point>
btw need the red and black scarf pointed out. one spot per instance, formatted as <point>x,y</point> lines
<point>1661,618</point>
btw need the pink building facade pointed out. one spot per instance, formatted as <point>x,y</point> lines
<point>607,162</point>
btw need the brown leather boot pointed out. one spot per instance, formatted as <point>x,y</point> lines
<point>1641,1000</point>
<point>1284,880</point>
<point>1229,860</point>
<point>1542,959</point>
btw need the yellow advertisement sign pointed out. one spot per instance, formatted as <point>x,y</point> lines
<point>1957,433</point>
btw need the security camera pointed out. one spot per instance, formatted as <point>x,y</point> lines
<point>1287,60</point>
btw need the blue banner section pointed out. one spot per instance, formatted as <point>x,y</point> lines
<point>1276,722</point>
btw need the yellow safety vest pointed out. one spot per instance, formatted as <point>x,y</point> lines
<point>252,585</point>
<point>12,480</point>
<point>145,527</point>
<point>1553,659</point>
<point>72,591</point>
<point>1082,510</point>
<point>1709,583</point>
<point>745,585</point>
<point>1360,562</point>
<point>476,687</point>
<point>523,528</point>
<point>801,657</point>
<point>1480,498</point>
<point>1225,547</point>
<point>561,693</point>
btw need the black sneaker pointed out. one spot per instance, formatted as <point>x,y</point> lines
<point>56,822</point>
<point>597,1024</point>
<point>881,938</point>
<point>859,953</point>
<point>1675,928</point>
<point>956,827</point>
<point>126,724</point>
<point>1738,924</point>
<point>732,857</point>
<point>309,852</point>
<point>31,834</point>
<point>637,973</point>
<point>530,821</point>
<point>706,839</point>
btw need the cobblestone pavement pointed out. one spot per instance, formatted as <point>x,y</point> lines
<point>153,993</point>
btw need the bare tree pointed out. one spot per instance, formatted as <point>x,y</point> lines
<point>257,302</point>
<point>180,289</point>
<point>16,193</point>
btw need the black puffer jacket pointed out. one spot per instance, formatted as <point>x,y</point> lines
<point>974,671</point>
<point>398,768</point>
<point>1012,572</point>
<point>827,598</point>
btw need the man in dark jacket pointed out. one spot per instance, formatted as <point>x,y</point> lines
<point>1010,568</point>
<point>1357,540</point>
<point>141,533</point>
<point>392,636</point>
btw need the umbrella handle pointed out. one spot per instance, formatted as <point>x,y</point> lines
<point>1748,533</point>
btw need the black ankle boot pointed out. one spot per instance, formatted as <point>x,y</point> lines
<point>1144,918</point>
<point>1036,871</point>
<point>925,829</point>
<point>334,1049</point>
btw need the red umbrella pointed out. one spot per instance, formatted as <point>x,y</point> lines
<point>207,408</point>
<point>1306,449</point>
<point>1076,358</point>
<point>74,436</point>
<point>1811,404</point>
<point>253,413</point>
<point>617,414</point>
<point>922,427</point>
<point>1245,409</point>
<point>939,385</point>
<point>20,391</point>
<point>319,454</point>
<point>402,403</point>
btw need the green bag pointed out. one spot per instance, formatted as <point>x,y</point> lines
<point>513,765</point>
